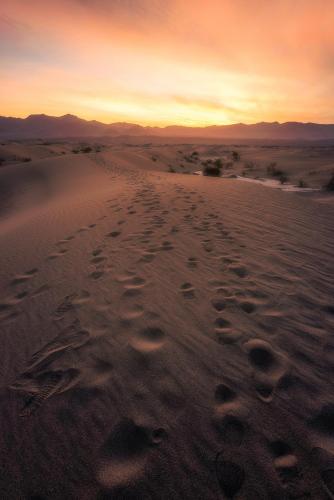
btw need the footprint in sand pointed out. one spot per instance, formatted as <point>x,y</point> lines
<point>95,275</point>
<point>46,385</point>
<point>187,291</point>
<point>221,324</point>
<point>55,255</point>
<point>65,306</point>
<point>81,297</point>
<point>224,394</point>
<point>267,367</point>
<point>133,312</point>
<point>166,245</point>
<point>11,302</point>
<point>96,252</point>
<point>132,284</point>
<point>125,453</point>
<point>285,463</point>
<point>148,339</point>
<point>147,257</point>
<point>325,462</point>
<point>224,332</point>
<point>261,356</point>
<point>22,278</point>
<point>7,308</point>
<point>248,307</point>
<point>65,241</point>
<point>192,262</point>
<point>113,234</point>
<point>323,421</point>
<point>98,259</point>
<point>218,305</point>
<point>230,476</point>
<point>240,271</point>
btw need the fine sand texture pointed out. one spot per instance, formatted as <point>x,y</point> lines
<point>163,336</point>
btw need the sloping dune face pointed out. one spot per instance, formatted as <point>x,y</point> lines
<point>34,183</point>
<point>162,335</point>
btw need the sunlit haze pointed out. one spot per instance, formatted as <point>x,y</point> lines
<point>162,62</point>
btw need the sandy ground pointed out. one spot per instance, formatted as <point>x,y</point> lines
<point>164,336</point>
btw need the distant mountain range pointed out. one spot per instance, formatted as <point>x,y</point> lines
<point>51,127</point>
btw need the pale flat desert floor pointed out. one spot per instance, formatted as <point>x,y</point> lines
<point>165,336</point>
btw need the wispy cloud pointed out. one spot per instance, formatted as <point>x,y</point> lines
<point>187,61</point>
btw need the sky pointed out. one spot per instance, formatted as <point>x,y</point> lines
<point>163,62</point>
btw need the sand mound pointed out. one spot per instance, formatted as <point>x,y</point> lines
<point>162,335</point>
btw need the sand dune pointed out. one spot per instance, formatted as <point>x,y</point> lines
<point>163,335</point>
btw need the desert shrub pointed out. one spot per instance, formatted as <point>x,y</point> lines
<point>194,153</point>
<point>218,163</point>
<point>274,171</point>
<point>212,170</point>
<point>26,160</point>
<point>207,162</point>
<point>302,183</point>
<point>330,184</point>
<point>181,165</point>
<point>171,169</point>
<point>75,151</point>
<point>249,165</point>
<point>235,156</point>
<point>283,178</point>
<point>87,149</point>
<point>154,158</point>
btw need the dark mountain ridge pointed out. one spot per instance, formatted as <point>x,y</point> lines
<point>42,126</point>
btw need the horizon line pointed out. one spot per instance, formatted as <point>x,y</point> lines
<point>165,126</point>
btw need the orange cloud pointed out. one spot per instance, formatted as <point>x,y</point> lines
<point>169,61</point>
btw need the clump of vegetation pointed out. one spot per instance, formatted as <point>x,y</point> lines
<point>302,183</point>
<point>154,158</point>
<point>87,149</point>
<point>75,151</point>
<point>273,171</point>
<point>249,165</point>
<point>283,178</point>
<point>235,156</point>
<point>171,169</point>
<point>330,184</point>
<point>212,168</point>
<point>26,160</point>
<point>190,159</point>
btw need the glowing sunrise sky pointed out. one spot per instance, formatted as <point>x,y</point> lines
<point>160,62</point>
